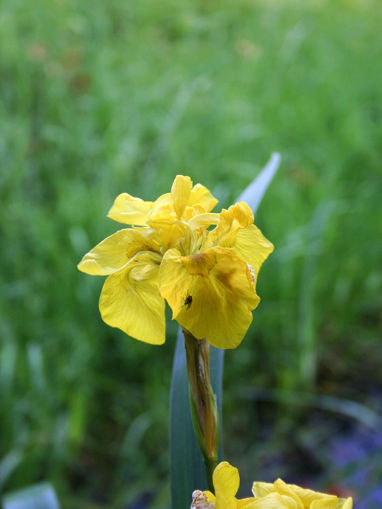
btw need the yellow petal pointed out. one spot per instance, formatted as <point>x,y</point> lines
<point>261,489</point>
<point>180,191</point>
<point>130,210</point>
<point>203,220</point>
<point>301,497</point>
<point>315,499</point>
<point>113,253</point>
<point>168,234</point>
<point>130,301</point>
<point>289,490</point>
<point>330,502</point>
<point>211,294</point>
<point>162,210</point>
<point>231,220</point>
<point>210,496</point>
<point>251,246</point>
<point>273,501</point>
<point>310,498</point>
<point>226,483</point>
<point>200,195</point>
<point>246,503</point>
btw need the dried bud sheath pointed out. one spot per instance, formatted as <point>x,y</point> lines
<point>203,402</point>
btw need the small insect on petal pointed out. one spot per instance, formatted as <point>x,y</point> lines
<point>188,302</point>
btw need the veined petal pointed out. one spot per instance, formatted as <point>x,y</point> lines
<point>331,502</point>
<point>298,497</point>
<point>203,220</point>
<point>310,497</point>
<point>226,483</point>
<point>182,203</point>
<point>130,210</point>
<point>251,246</point>
<point>113,253</point>
<point>130,301</point>
<point>162,210</point>
<point>289,490</point>
<point>180,191</point>
<point>230,221</point>
<point>246,503</point>
<point>273,501</point>
<point>201,195</point>
<point>171,233</point>
<point>260,489</point>
<point>211,294</point>
<point>192,211</point>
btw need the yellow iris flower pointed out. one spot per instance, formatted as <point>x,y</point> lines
<point>208,277</point>
<point>277,495</point>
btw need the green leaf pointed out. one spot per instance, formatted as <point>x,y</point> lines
<point>253,194</point>
<point>186,463</point>
<point>39,496</point>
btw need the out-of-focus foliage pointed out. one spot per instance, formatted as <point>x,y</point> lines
<point>104,97</point>
<point>39,496</point>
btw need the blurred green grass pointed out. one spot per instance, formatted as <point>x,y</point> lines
<point>103,97</point>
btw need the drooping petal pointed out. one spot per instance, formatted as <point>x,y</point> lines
<point>130,210</point>
<point>113,253</point>
<point>226,483</point>
<point>251,246</point>
<point>211,294</point>
<point>200,195</point>
<point>180,191</point>
<point>130,301</point>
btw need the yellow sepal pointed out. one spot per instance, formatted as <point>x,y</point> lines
<point>130,301</point>
<point>211,294</point>
<point>130,210</point>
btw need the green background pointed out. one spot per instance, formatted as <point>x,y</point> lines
<point>101,97</point>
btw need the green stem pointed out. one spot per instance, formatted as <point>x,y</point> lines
<point>202,401</point>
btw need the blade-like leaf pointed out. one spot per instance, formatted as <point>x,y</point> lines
<point>39,496</point>
<point>186,463</point>
<point>254,193</point>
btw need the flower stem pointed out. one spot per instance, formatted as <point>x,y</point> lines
<point>202,401</point>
